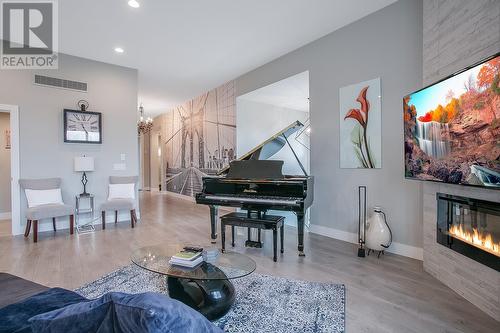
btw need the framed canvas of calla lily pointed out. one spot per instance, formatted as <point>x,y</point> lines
<point>361,126</point>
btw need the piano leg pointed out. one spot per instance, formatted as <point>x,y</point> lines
<point>300,233</point>
<point>214,210</point>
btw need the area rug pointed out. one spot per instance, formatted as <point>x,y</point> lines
<point>263,303</point>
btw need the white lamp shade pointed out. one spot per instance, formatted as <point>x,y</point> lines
<point>84,163</point>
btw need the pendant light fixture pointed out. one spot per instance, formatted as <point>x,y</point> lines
<point>144,125</point>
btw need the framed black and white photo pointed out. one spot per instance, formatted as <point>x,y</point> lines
<point>82,126</point>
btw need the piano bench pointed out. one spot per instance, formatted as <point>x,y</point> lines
<point>266,222</point>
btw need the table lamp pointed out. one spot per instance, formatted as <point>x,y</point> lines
<point>84,164</point>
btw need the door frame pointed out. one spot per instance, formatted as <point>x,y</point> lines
<point>15,191</point>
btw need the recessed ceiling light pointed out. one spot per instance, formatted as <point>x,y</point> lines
<point>134,4</point>
<point>119,50</point>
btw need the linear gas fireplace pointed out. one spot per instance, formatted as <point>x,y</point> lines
<point>470,227</point>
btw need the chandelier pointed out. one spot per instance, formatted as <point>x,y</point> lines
<point>144,126</point>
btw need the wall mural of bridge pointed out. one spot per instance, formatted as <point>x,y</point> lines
<point>198,139</point>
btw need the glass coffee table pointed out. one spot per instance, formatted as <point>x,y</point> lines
<point>207,287</point>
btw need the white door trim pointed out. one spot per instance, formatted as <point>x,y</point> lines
<point>14,166</point>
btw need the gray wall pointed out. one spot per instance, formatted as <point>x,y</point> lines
<point>386,44</point>
<point>4,165</point>
<point>112,90</point>
<point>458,33</point>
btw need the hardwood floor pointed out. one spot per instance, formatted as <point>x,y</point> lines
<point>390,294</point>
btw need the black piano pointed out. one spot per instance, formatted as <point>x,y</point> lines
<point>256,184</point>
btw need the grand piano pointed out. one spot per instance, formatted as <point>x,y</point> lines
<point>256,184</point>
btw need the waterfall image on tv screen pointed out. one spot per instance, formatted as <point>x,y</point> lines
<point>452,128</point>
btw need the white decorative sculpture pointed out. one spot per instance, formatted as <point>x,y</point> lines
<point>378,232</point>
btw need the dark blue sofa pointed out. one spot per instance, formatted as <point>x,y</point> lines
<point>29,307</point>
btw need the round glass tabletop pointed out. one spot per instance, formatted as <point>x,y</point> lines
<point>228,265</point>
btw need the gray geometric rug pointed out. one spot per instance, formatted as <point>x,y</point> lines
<point>263,303</point>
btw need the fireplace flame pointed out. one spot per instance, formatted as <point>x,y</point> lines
<point>475,238</point>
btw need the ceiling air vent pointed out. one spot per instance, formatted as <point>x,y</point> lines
<point>60,83</point>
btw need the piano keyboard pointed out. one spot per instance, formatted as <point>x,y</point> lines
<point>268,200</point>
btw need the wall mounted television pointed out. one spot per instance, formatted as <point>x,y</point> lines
<point>452,128</point>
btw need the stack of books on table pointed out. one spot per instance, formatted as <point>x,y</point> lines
<point>185,258</point>
<point>211,255</point>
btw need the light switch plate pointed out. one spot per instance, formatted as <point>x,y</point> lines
<point>119,166</point>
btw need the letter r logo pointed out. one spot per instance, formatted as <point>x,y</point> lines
<point>27,27</point>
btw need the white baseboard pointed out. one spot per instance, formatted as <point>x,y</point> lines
<point>333,233</point>
<point>407,250</point>
<point>5,216</point>
<point>46,225</point>
<point>396,248</point>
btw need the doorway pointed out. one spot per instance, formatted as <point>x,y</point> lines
<point>9,177</point>
<point>262,113</point>
<point>145,161</point>
<point>5,190</point>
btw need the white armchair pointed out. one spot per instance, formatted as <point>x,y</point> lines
<point>39,209</point>
<point>117,204</point>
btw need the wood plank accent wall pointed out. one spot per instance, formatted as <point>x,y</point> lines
<point>456,34</point>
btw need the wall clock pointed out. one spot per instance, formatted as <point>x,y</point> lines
<point>82,126</point>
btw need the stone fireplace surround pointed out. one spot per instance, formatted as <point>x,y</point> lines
<point>476,282</point>
<point>456,34</point>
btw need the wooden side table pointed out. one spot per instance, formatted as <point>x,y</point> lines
<point>89,226</point>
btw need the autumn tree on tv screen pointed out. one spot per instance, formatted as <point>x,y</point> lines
<point>452,128</point>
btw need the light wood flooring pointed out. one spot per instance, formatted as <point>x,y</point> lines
<point>390,294</point>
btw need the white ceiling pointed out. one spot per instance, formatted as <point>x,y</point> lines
<point>185,47</point>
<point>290,93</point>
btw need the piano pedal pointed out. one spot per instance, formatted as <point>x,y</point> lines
<point>250,243</point>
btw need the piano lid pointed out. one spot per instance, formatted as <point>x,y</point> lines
<point>269,147</point>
